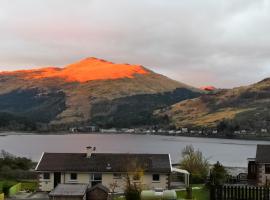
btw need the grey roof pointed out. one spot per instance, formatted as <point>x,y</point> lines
<point>69,190</point>
<point>263,154</point>
<point>104,162</point>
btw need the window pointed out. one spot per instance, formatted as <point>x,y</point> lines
<point>267,168</point>
<point>117,176</point>
<point>73,176</point>
<point>155,177</point>
<point>46,176</point>
<point>95,179</point>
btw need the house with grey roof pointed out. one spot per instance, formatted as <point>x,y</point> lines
<point>259,167</point>
<point>110,169</point>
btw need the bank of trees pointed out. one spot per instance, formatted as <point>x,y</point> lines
<point>15,168</point>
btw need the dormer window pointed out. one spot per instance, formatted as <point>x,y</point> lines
<point>108,166</point>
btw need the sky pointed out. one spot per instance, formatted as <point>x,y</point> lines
<point>225,43</point>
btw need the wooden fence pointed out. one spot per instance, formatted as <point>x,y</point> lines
<point>239,193</point>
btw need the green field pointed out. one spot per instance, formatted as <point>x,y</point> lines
<point>198,194</point>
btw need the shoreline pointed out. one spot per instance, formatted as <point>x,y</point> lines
<point>248,138</point>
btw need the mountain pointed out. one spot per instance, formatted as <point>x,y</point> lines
<point>239,108</point>
<point>91,91</point>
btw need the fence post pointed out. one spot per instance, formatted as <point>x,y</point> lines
<point>212,192</point>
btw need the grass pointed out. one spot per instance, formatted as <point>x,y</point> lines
<point>198,194</point>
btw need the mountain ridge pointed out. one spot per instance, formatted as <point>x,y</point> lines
<point>68,96</point>
<point>245,107</point>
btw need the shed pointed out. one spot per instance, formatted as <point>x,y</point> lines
<point>98,192</point>
<point>69,192</point>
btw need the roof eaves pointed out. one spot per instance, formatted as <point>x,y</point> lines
<point>36,169</point>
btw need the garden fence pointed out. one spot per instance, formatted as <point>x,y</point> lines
<point>239,193</point>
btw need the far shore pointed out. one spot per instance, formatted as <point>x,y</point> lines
<point>241,137</point>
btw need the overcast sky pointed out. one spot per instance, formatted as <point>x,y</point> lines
<point>224,43</point>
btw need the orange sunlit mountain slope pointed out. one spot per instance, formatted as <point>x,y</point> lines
<point>89,91</point>
<point>86,70</point>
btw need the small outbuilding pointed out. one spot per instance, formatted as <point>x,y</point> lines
<point>69,192</point>
<point>98,192</point>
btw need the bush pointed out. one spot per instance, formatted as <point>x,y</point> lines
<point>194,162</point>
<point>14,168</point>
<point>218,174</point>
<point>132,191</point>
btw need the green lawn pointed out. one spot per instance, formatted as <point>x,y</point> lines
<point>198,194</point>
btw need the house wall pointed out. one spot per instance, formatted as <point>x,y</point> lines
<point>107,180</point>
<point>145,181</point>
<point>262,178</point>
<point>45,185</point>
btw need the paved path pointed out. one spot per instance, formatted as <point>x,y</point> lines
<point>30,196</point>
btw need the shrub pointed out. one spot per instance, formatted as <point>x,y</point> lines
<point>218,174</point>
<point>132,191</point>
<point>194,162</point>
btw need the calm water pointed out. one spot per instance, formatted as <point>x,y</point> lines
<point>229,152</point>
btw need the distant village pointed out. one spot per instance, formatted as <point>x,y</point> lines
<point>173,132</point>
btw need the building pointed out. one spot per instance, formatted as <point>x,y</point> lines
<point>69,192</point>
<point>98,192</point>
<point>259,167</point>
<point>150,170</point>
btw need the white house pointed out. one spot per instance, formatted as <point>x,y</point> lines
<point>150,170</point>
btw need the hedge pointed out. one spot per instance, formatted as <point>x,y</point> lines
<point>15,189</point>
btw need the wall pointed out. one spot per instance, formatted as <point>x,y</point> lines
<point>45,185</point>
<point>262,178</point>
<point>146,182</point>
<point>107,180</point>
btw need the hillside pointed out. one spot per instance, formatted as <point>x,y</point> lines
<point>91,91</point>
<point>239,108</point>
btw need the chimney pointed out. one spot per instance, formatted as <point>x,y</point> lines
<point>89,151</point>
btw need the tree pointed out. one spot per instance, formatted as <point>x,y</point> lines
<point>194,162</point>
<point>132,190</point>
<point>133,180</point>
<point>218,175</point>
<point>112,187</point>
